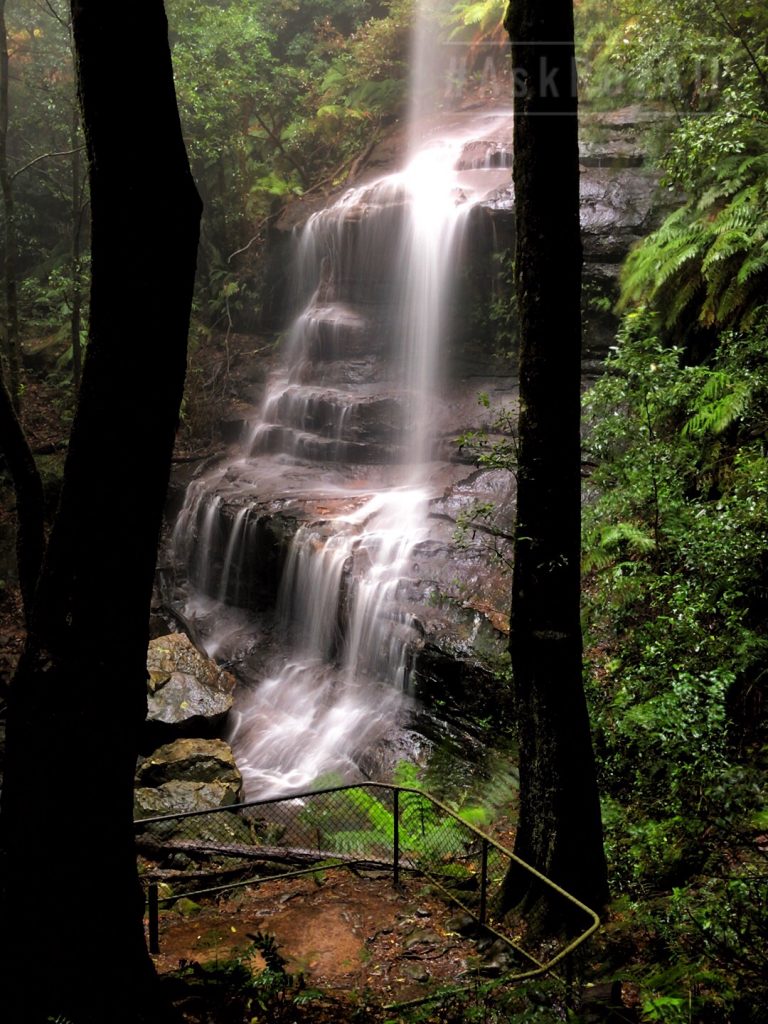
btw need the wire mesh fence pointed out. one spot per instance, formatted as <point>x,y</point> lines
<point>372,826</point>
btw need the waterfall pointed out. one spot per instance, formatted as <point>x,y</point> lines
<point>348,420</point>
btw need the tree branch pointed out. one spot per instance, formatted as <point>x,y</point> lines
<point>46,156</point>
<point>255,238</point>
<point>737,34</point>
<point>278,142</point>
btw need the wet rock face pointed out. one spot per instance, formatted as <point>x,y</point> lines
<point>620,203</point>
<point>485,154</point>
<point>338,418</point>
<point>245,554</point>
<point>619,206</point>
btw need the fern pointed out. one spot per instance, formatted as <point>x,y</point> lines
<point>723,402</point>
<point>603,545</point>
<point>483,15</point>
<point>756,264</point>
<point>708,262</point>
<point>380,818</point>
<point>359,841</point>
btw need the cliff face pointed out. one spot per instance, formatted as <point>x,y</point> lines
<point>336,422</point>
<point>621,202</point>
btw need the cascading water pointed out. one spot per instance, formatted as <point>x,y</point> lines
<point>348,422</point>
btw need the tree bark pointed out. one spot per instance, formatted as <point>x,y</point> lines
<point>76,215</point>
<point>12,346</point>
<point>559,830</point>
<point>30,506</point>
<point>73,921</point>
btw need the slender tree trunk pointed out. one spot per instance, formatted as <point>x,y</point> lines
<point>12,345</point>
<point>559,830</point>
<point>30,538</point>
<point>72,903</point>
<point>76,216</point>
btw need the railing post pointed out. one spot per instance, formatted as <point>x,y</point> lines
<point>154,918</point>
<point>483,881</point>
<point>396,838</point>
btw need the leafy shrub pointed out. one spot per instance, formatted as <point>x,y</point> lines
<point>675,551</point>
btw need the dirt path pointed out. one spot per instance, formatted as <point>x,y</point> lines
<point>343,932</point>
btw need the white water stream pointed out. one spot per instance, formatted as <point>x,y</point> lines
<point>356,389</point>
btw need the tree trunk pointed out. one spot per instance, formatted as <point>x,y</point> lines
<point>12,346</point>
<point>73,920</point>
<point>30,510</point>
<point>76,216</point>
<point>559,830</point>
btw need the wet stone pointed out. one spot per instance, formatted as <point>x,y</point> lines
<point>191,760</point>
<point>422,937</point>
<point>189,694</point>
<point>463,924</point>
<point>416,972</point>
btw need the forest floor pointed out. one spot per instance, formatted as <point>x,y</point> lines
<point>350,935</point>
<point>355,950</point>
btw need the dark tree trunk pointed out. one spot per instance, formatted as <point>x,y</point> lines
<point>73,907</point>
<point>559,830</point>
<point>30,536</point>
<point>76,215</point>
<point>12,345</point>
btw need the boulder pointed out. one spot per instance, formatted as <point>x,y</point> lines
<point>184,796</point>
<point>188,693</point>
<point>191,775</point>
<point>181,797</point>
<point>192,760</point>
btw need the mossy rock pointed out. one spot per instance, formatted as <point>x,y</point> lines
<point>181,797</point>
<point>191,760</point>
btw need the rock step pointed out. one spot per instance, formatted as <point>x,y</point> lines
<point>335,331</point>
<point>482,154</point>
<point>336,414</point>
<point>353,372</point>
<point>273,438</point>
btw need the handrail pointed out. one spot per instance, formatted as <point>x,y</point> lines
<point>486,840</point>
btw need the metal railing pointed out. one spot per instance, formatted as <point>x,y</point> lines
<point>366,825</point>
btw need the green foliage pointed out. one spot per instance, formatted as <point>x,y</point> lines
<point>477,19</point>
<point>46,303</point>
<point>708,262</point>
<point>703,947</point>
<point>494,447</point>
<point>694,57</point>
<point>495,321</point>
<point>368,824</point>
<point>493,1002</point>
<point>675,556</point>
<point>274,98</point>
<point>46,166</point>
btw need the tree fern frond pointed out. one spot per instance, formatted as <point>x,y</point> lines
<point>713,250</point>
<point>723,251</point>
<point>723,401</point>
<point>757,263</point>
<point>681,297</point>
